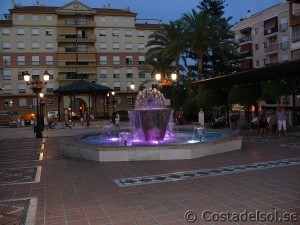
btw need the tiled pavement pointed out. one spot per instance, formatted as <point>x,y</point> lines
<point>73,191</point>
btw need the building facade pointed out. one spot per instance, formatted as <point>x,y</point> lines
<point>72,42</point>
<point>268,37</point>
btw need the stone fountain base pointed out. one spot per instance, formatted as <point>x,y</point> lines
<point>72,147</point>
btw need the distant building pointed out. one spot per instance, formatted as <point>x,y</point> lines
<point>72,42</point>
<point>270,36</point>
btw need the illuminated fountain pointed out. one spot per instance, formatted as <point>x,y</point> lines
<point>150,118</point>
<point>151,137</point>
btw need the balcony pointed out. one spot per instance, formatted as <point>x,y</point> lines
<point>245,39</point>
<point>272,48</point>
<point>76,38</point>
<point>78,49</point>
<point>270,31</point>
<point>84,23</point>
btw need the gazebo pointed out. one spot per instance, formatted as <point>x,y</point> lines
<point>81,88</point>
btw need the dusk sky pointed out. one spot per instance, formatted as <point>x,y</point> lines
<point>165,10</point>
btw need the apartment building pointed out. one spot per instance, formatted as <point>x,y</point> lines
<point>72,42</point>
<point>270,36</point>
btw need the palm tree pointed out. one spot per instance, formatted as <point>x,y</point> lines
<point>200,34</point>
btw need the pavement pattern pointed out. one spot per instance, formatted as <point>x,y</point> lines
<point>38,185</point>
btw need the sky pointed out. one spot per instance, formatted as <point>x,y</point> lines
<point>165,10</point>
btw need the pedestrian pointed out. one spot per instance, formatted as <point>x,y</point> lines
<point>281,116</point>
<point>87,121</point>
<point>262,124</point>
<point>117,121</point>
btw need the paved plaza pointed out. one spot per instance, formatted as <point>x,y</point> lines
<point>259,184</point>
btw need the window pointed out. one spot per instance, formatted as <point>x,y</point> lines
<point>256,31</point>
<point>20,31</point>
<point>129,60</point>
<point>102,33</point>
<point>141,34</point>
<point>128,33</point>
<point>22,88</point>
<point>35,60</point>
<point>256,46</point>
<point>49,18</point>
<point>115,33</point>
<point>36,73</point>
<point>34,31</point>
<point>35,17</point>
<point>117,86</point>
<point>116,59</point>
<point>103,60</point>
<point>5,31</point>
<point>102,18</point>
<point>6,60</point>
<point>116,46</point>
<point>22,101</point>
<point>49,60</point>
<point>256,63</point>
<point>116,73</point>
<point>265,61</point>
<point>21,60</point>
<point>35,45</point>
<point>115,19</point>
<point>7,88</point>
<point>20,17</point>
<point>128,20</point>
<point>141,59</point>
<point>264,44</point>
<point>142,74</point>
<point>8,102</point>
<point>285,57</point>
<point>102,45</point>
<point>6,74</point>
<point>141,46</point>
<point>49,32</point>
<point>103,83</point>
<point>49,45</point>
<point>50,88</point>
<point>5,45</point>
<point>103,73</point>
<point>21,45</point>
<point>128,46</point>
<point>129,73</point>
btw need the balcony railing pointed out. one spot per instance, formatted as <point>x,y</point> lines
<point>79,38</point>
<point>78,49</point>
<point>270,30</point>
<point>295,39</point>
<point>85,23</point>
<point>245,39</point>
<point>271,48</point>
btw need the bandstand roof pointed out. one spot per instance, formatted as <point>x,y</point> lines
<point>82,87</point>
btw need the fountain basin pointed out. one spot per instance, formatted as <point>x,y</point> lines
<point>73,147</point>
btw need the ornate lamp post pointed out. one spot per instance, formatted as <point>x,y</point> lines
<point>113,101</point>
<point>165,81</point>
<point>42,104</point>
<point>107,104</point>
<point>132,88</point>
<point>36,86</point>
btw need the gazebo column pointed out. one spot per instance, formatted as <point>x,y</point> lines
<point>58,106</point>
<point>95,106</point>
<point>89,109</point>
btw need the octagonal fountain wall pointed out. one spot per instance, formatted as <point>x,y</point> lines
<point>150,124</point>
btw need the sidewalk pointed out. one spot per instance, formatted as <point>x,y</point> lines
<point>40,186</point>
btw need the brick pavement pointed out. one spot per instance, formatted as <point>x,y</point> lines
<point>73,191</point>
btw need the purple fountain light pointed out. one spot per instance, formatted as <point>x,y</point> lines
<point>151,117</point>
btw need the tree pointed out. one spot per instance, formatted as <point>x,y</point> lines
<point>275,89</point>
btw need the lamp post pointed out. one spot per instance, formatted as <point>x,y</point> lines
<point>165,81</point>
<point>42,104</point>
<point>132,88</point>
<point>107,104</point>
<point>113,101</point>
<point>36,86</point>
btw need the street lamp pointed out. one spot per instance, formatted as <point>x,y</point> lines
<point>113,101</point>
<point>107,104</point>
<point>165,81</point>
<point>36,86</point>
<point>132,88</point>
<point>42,104</point>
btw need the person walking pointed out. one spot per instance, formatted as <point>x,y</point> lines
<point>262,124</point>
<point>281,116</point>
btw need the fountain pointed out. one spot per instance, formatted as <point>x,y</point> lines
<point>150,118</point>
<point>152,137</point>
